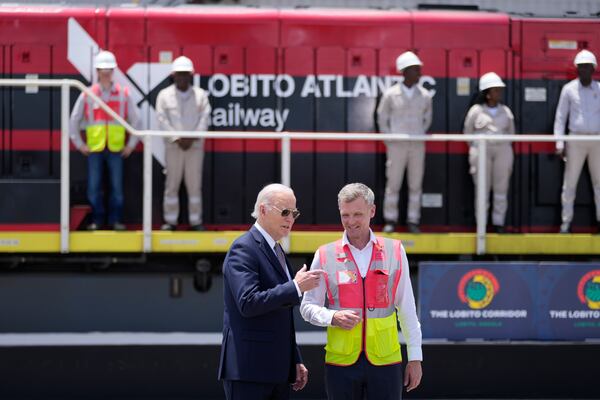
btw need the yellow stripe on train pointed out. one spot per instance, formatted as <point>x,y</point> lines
<point>301,242</point>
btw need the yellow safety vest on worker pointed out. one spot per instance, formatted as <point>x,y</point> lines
<point>372,297</point>
<point>101,129</point>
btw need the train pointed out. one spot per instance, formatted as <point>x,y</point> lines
<point>315,70</point>
<point>111,320</point>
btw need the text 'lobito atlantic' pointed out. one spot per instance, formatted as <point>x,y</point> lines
<point>284,86</point>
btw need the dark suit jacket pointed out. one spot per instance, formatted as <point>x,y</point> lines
<point>259,341</point>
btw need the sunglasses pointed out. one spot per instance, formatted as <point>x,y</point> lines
<point>287,211</point>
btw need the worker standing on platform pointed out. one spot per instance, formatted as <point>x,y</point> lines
<point>183,107</point>
<point>579,103</point>
<point>367,287</point>
<point>405,108</point>
<point>105,140</point>
<point>489,116</point>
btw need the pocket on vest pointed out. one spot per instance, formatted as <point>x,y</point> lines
<point>341,341</point>
<point>377,289</point>
<point>349,289</point>
<point>384,336</point>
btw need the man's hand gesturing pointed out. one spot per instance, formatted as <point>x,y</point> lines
<point>308,280</point>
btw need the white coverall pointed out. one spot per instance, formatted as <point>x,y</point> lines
<point>581,105</point>
<point>408,111</point>
<point>183,111</point>
<point>498,120</point>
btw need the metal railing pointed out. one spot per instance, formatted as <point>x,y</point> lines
<point>285,137</point>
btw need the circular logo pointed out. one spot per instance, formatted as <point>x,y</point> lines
<point>477,288</point>
<point>588,289</point>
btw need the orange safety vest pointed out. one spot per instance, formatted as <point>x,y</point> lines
<point>372,297</point>
<point>100,127</point>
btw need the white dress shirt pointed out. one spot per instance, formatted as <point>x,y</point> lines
<point>581,104</point>
<point>271,242</point>
<point>314,312</point>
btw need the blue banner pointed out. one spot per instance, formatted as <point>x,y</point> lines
<point>569,301</point>
<point>477,300</point>
<point>461,301</point>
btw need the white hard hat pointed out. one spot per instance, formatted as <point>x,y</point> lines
<point>105,60</point>
<point>585,57</point>
<point>182,64</point>
<point>407,59</point>
<point>490,80</point>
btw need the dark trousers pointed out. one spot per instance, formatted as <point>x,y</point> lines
<point>242,390</point>
<point>114,164</point>
<point>363,380</point>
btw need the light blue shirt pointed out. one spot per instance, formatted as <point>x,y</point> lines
<point>581,106</point>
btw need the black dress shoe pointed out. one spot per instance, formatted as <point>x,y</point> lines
<point>197,228</point>
<point>92,227</point>
<point>499,229</point>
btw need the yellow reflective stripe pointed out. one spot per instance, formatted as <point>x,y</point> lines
<point>382,340</point>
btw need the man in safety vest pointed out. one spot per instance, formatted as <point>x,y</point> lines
<point>105,140</point>
<point>367,283</point>
<point>183,107</point>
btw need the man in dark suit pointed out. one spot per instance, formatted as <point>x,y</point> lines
<point>259,354</point>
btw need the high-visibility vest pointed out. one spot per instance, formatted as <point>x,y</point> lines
<point>100,127</point>
<point>372,297</point>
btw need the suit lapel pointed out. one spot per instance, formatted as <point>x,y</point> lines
<point>264,246</point>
